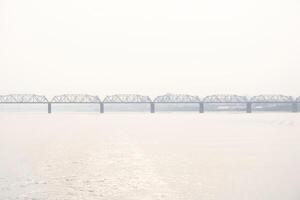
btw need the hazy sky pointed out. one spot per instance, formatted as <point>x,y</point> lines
<point>150,47</point>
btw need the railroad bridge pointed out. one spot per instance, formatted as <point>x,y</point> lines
<point>140,99</point>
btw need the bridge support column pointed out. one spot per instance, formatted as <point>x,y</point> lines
<point>49,108</point>
<point>294,107</point>
<point>152,107</point>
<point>249,107</point>
<point>101,107</point>
<point>201,107</point>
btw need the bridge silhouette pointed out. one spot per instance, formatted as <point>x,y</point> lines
<point>140,99</point>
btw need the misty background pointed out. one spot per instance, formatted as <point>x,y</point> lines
<point>150,47</point>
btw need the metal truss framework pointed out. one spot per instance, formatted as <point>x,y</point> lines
<point>177,98</point>
<point>271,99</point>
<point>225,99</point>
<point>134,98</point>
<point>127,98</point>
<point>75,98</point>
<point>23,98</point>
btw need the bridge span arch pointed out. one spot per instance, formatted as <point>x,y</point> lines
<point>171,98</point>
<point>76,99</point>
<point>23,98</point>
<point>127,98</point>
<point>225,98</point>
<point>226,101</point>
<point>271,100</point>
<point>177,98</point>
<point>116,100</point>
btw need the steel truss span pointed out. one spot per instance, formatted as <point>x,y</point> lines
<point>167,98</point>
<point>177,98</point>
<point>271,99</point>
<point>127,98</point>
<point>75,98</point>
<point>231,98</point>
<point>23,98</point>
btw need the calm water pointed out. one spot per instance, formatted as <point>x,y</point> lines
<point>145,156</point>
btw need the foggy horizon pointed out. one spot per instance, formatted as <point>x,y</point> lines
<point>103,48</point>
<point>185,99</point>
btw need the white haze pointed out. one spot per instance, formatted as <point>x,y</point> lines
<point>150,47</point>
<point>150,157</point>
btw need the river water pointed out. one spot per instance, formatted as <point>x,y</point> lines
<point>217,156</point>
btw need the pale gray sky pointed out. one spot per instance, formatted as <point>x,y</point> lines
<point>150,47</point>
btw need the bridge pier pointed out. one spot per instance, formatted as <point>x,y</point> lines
<point>152,107</point>
<point>249,107</point>
<point>49,108</point>
<point>201,107</point>
<point>101,107</point>
<point>294,107</point>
